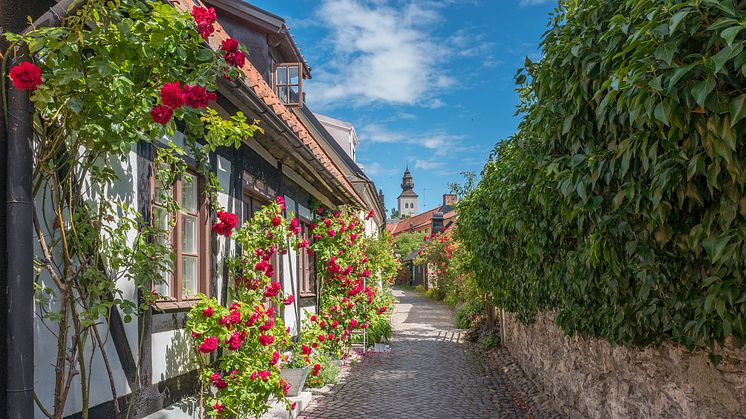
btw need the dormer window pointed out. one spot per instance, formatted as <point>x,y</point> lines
<point>288,83</point>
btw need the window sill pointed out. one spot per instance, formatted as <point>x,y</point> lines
<point>174,305</point>
<point>307,294</point>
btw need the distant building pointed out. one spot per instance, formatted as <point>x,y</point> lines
<point>343,133</point>
<point>428,222</point>
<point>408,199</point>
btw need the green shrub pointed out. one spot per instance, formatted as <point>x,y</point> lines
<point>329,373</point>
<point>466,313</point>
<point>379,330</point>
<point>488,342</point>
<point>622,197</point>
<point>430,293</point>
<point>419,288</point>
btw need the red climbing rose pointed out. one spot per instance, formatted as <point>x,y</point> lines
<point>26,76</point>
<point>228,222</point>
<point>171,95</point>
<point>209,345</point>
<point>161,114</point>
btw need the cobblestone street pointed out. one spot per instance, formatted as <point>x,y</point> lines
<point>430,373</point>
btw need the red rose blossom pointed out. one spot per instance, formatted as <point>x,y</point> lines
<point>234,342</point>
<point>266,340</point>
<point>275,358</point>
<point>207,312</point>
<point>26,76</point>
<point>161,114</point>
<point>228,221</point>
<point>272,289</point>
<point>197,96</point>
<point>204,18</point>
<point>229,45</point>
<point>171,95</point>
<point>208,345</point>
<point>305,350</point>
<point>219,407</point>
<point>289,300</point>
<point>276,221</point>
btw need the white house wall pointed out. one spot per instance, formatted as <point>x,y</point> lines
<point>45,341</point>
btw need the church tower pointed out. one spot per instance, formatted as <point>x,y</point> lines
<point>407,200</point>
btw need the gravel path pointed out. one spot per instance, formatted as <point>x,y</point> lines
<point>430,373</point>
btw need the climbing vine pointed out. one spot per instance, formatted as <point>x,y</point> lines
<point>621,200</point>
<point>112,75</point>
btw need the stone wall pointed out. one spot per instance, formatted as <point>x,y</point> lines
<point>590,377</point>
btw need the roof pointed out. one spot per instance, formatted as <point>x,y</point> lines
<point>418,221</point>
<point>256,83</point>
<point>358,176</point>
<point>265,21</point>
<point>412,255</point>
<point>408,192</point>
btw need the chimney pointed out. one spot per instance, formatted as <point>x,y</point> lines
<point>449,199</point>
<point>437,223</point>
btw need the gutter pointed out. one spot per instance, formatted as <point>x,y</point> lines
<point>20,235</point>
<point>284,131</point>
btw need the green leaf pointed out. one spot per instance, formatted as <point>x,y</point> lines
<point>678,73</point>
<point>662,112</point>
<point>729,35</point>
<point>715,247</point>
<point>701,90</point>
<point>737,109</point>
<point>665,53</point>
<point>676,21</point>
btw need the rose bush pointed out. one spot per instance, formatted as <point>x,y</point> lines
<point>242,346</point>
<point>349,298</point>
<point>111,77</point>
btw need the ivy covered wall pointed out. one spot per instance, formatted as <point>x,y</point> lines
<point>620,202</point>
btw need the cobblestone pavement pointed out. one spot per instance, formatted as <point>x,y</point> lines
<point>429,373</point>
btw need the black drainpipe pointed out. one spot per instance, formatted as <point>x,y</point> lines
<point>19,296</point>
<point>20,288</point>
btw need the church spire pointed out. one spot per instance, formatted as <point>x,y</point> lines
<point>408,198</point>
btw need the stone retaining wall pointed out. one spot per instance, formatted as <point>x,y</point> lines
<point>590,377</point>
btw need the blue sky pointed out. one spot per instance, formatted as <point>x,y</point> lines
<point>429,82</point>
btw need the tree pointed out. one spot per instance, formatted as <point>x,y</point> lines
<point>406,243</point>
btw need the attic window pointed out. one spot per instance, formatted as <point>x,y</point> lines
<point>288,83</point>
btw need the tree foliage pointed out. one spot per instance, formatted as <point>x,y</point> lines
<point>621,202</point>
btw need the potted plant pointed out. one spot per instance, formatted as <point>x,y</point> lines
<point>295,369</point>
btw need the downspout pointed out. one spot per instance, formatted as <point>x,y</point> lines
<point>20,235</point>
<point>20,289</point>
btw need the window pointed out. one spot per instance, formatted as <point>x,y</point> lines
<point>288,83</point>
<point>187,232</point>
<point>306,267</point>
<point>255,197</point>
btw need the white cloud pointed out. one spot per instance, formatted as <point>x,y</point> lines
<point>533,2</point>
<point>376,169</point>
<point>428,164</point>
<point>381,53</point>
<point>437,142</point>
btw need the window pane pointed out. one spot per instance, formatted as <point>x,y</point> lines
<point>189,234</point>
<point>158,191</point>
<point>282,92</point>
<point>161,222</point>
<point>293,75</point>
<point>282,76</point>
<point>189,193</point>
<point>294,94</point>
<point>163,287</point>
<point>189,275</point>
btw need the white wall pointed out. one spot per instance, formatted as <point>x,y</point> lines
<point>45,341</point>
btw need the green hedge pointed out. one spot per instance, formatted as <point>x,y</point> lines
<point>621,200</point>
